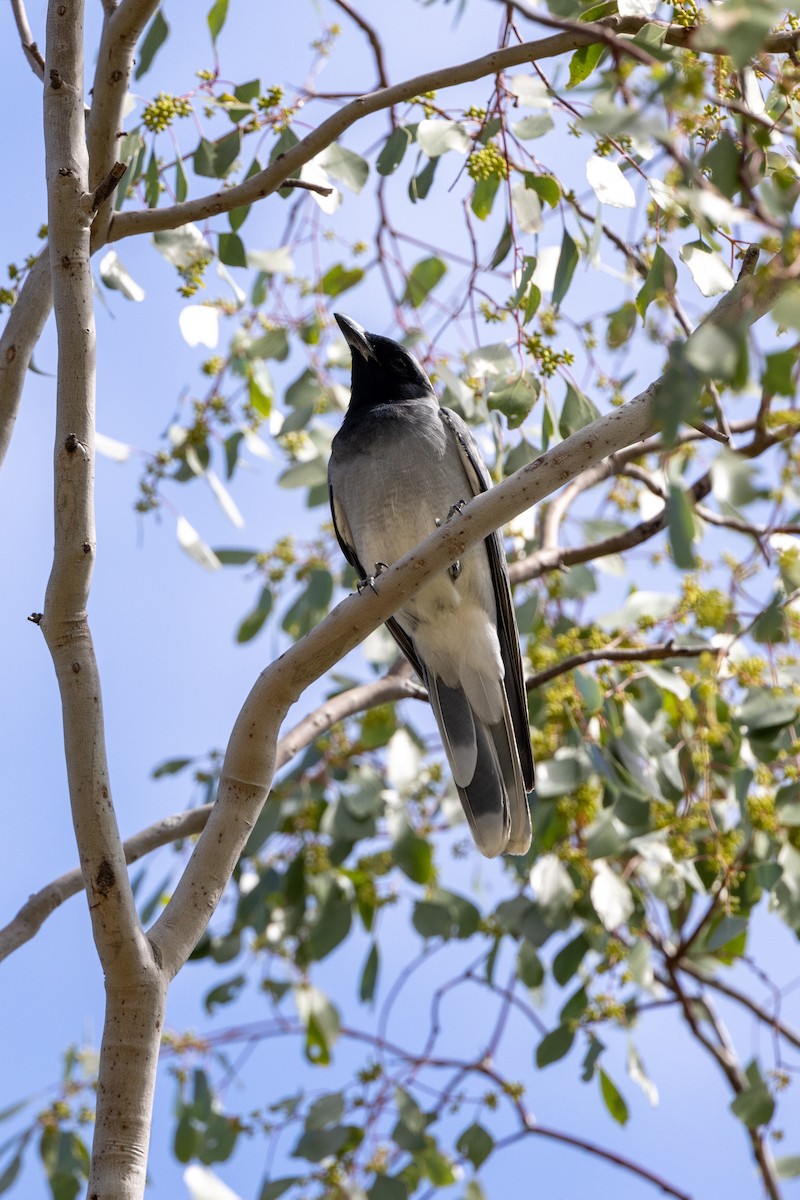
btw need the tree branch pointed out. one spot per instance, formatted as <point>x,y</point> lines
<point>29,47</point>
<point>22,331</point>
<point>135,986</point>
<point>64,623</point>
<point>722,1053</point>
<point>612,654</point>
<point>266,182</point>
<point>122,29</point>
<point>41,904</point>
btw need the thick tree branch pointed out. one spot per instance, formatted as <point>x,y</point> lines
<point>64,623</point>
<point>135,987</point>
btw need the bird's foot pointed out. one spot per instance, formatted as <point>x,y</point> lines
<point>455,570</point>
<point>369,580</point>
<point>456,509</point>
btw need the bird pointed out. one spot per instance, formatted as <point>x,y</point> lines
<point>400,465</point>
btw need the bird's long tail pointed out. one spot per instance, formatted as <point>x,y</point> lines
<point>486,768</point>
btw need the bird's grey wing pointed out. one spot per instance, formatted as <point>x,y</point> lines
<point>344,537</point>
<point>508,634</point>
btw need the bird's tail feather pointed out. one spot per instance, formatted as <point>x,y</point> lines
<point>486,769</point>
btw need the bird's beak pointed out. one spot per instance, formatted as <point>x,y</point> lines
<point>356,337</point>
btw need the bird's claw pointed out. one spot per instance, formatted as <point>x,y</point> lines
<point>456,509</point>
<point>455,570</point>
<point>369,580</point>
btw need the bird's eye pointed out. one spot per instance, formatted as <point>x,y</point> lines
<point>398,363</point>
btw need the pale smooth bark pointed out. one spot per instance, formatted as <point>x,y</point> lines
<point>135,988</point>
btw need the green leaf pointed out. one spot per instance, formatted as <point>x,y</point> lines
<point>502,248</point>
<point>66,1162</point>
<point>152,42</point>
<point>393,152</point>
<point>569,958</point>
<point>583,62</point>
<point>727,930</point>
<point>414,857</point>
<point>483,196</point>
<point>660,281</point>
<point>170,767</point>
<point>514,397</point>
<point>613,1100</point>
<point>476,1144</point>
<point>224,993</point>
<point>253,623</point>
<point>788,1167</point>
<point>186,1138</point>
<point>327,1110</point>
<point>238,216</point>
<point>745,28</point>
<point>317,1144</point>
<point>369,975</point>
<point>680,524</point>
<point>554,1045</point>
<point>431,920</point>
<point>181,182</point>
<point>321,1021</point>
<point>754,1106</point>
<point>529,966</point>
<point>339,279</point>
<point>567,262</point>
<point>310,607</point>
<point>273,1189</point>
<point>546,187</point>
<point>771,624</point>
<point>388,1187</point>
<point>345,166</point>
<point>574,1007</point>
<point>231,250</point>
<point>331,926</point>
<point>152,190</point>
<point>218,1139</point>
<point>778,377</point>
<point>621,324</point>
<point>423,278</point>
<point>420,185</point>
<point>577,412</point>
<point>724,161</point>
<point>215,159</point>
<point>765,709</point>
<point>596,1048</point>
<point>10,1172</point>
<point>216,18</point>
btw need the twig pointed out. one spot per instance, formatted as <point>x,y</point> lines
<point>108,185</point>
<point>374,40</point>
<point>609,654</point>
<point>308,187</point>
<point>723,1054</point>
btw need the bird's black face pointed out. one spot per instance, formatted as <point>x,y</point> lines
<point>383,372</point>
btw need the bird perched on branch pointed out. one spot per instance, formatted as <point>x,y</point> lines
<point>401,465</point>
